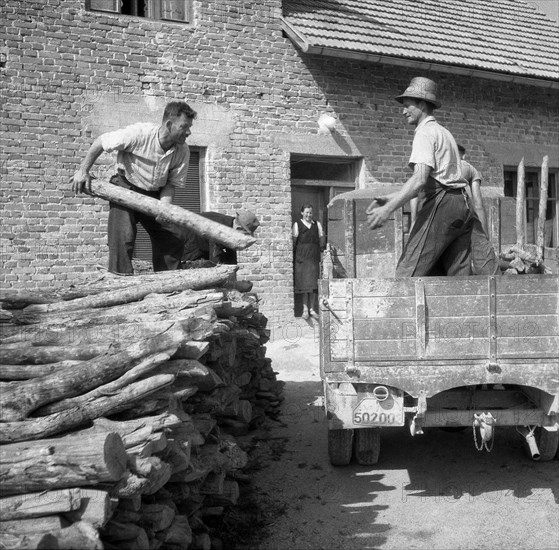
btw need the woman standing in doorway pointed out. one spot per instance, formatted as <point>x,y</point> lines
<point>308,239</point>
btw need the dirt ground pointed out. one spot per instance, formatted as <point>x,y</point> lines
<point>432,491</point>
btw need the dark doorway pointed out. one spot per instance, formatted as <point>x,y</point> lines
<point>316,181</point>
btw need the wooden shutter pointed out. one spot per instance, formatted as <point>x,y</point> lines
<point>187,197</point>
<point>105,5</point>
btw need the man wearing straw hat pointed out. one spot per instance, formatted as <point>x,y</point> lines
<point>442,230</point>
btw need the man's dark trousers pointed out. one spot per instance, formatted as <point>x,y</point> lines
<point>167,240</point>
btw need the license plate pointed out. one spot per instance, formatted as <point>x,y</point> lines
<point>372,412</point>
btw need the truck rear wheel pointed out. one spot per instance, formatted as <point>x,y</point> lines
<point>340,447</point>
<point>548,442</point>
<point>367,446</point>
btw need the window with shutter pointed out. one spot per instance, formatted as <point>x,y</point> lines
<point>189,197</point>
<point>167,10</point>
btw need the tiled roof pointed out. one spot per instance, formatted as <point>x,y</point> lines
<point>501,36</point>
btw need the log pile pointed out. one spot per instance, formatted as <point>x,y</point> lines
<point>523,258</point>
<point>122,408</point>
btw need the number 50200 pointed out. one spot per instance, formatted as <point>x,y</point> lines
<point>373,418</point>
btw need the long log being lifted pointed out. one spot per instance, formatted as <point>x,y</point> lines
<point>195,279</point>
<point>171,213</point>
<point>21,398</point>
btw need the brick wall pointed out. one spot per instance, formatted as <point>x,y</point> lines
<point>71,74</point>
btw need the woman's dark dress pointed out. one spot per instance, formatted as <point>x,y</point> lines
<point>307,258</point>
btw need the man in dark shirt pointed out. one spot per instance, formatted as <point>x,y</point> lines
<point>200,248</point>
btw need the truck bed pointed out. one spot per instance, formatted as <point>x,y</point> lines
<point>407,332</point>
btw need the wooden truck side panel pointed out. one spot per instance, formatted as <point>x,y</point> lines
<point>462,330</point>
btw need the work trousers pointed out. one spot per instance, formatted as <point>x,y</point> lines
<point>167,240</point>
<point>484,258</point>
<point>440,235</point>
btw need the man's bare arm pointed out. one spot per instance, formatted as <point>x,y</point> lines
<point>377,215</point>
<point>478,203</point>
<point>81,180</point>
<point>167,194</point>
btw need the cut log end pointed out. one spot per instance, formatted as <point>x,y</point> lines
<point>115,455</point>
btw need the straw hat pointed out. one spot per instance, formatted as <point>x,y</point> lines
<point>421,88</point>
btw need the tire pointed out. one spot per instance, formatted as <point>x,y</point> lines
<point>340,447</point>
<point>367,446</point>
<point>548,444</point>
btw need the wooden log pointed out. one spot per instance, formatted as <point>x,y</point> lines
<point>143,368</point>
<point>198,279</point>
<point>130,486</point>
<point>158,476</point>
<point>542,209</point>
<point>177,455</point>
<point>141,542</point>
<point>191,350</point>
<point>50,354</point>
<point>190,370</point>
<point>150,305</point>
<point>80,535</point>
<point>179,533</point>
<point>23,397</point>
<point>156,423</point>
<point>34,526</point>
<point>145,407</point>
<point>213,484</point>
<point>174,214</point>
<point>6,316</point>
<point>521,206</point>
<point>25,372</point>
<point>10,541</point>
<point>46,503</point>
<point>154,443</point>
<point>133,504</point>
<point>178,391</point>
<point>229,497</point>
<point>71,335</point>
<point>18,299</point>
<point>201,541</point>
<point>127,516</point>
<point>116,532</point>
<point>59,463</point>
<point>96,508</point>
<point>157,516</point>
<point>72,418</point>
<point>525,254</point>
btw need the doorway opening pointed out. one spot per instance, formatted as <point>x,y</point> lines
<point>316,180</point>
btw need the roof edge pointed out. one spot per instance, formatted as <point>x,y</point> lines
<point>295,37</point>
<point>300,41</point>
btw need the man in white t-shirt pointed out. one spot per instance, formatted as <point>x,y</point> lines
<point>152,160</point>
<point>441,233</point>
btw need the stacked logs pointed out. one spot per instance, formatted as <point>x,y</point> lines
<point>522,261</point>
<point>121,404</point>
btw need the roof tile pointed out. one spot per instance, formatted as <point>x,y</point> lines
<point>507,36</point>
